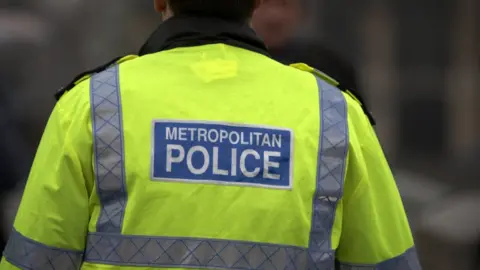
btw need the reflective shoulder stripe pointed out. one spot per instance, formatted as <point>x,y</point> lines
<point>406,261</point>
<point>26,253</point>
<point>109,246</point>
<point>108,149</point>
<point>333,146</point>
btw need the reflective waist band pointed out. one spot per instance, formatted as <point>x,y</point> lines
<point>128,250</point>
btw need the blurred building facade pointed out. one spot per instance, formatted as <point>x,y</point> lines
<point>418,62</point>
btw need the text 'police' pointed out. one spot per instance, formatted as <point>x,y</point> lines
<point>222,154</point>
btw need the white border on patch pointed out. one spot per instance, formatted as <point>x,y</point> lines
<point>216,182</point>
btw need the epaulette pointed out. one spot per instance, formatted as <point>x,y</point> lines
<point>356,96</point>
<point>87,74</point>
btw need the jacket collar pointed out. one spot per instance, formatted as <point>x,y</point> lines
<point>183,31</point>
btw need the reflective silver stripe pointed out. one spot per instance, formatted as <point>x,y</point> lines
<point>406,261</point>
<point>333,145</point>
<point>108,149</point>
<point>199,253</point>
<point>108,246</point>
<point>26,253</point>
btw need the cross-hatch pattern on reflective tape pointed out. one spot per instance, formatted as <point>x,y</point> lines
<point>333,145</point>
<point>108,149</point>
<point>205,253</point>
<point>26,253</point>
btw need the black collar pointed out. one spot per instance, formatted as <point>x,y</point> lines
<point>195,31</point>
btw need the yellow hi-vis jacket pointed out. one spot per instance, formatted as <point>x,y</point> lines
<point>224,160</point>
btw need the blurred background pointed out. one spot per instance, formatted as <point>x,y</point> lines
<point>417,64</point>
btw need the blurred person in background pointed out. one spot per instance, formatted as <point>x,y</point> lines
<point>9,171</point>
<point>277,21</point>
<point>205,153</point>
<point>19,33</point>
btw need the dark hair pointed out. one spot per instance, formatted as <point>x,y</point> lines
<point>236,10</point>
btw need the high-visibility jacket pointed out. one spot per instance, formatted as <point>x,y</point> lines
<point>224,160</point>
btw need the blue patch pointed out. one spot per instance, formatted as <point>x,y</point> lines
<point>220,153</point>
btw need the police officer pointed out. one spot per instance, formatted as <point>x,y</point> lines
<point>204,153</point>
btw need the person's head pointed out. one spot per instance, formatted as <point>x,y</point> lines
<point>233,10</point>
<point>276,20</point>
